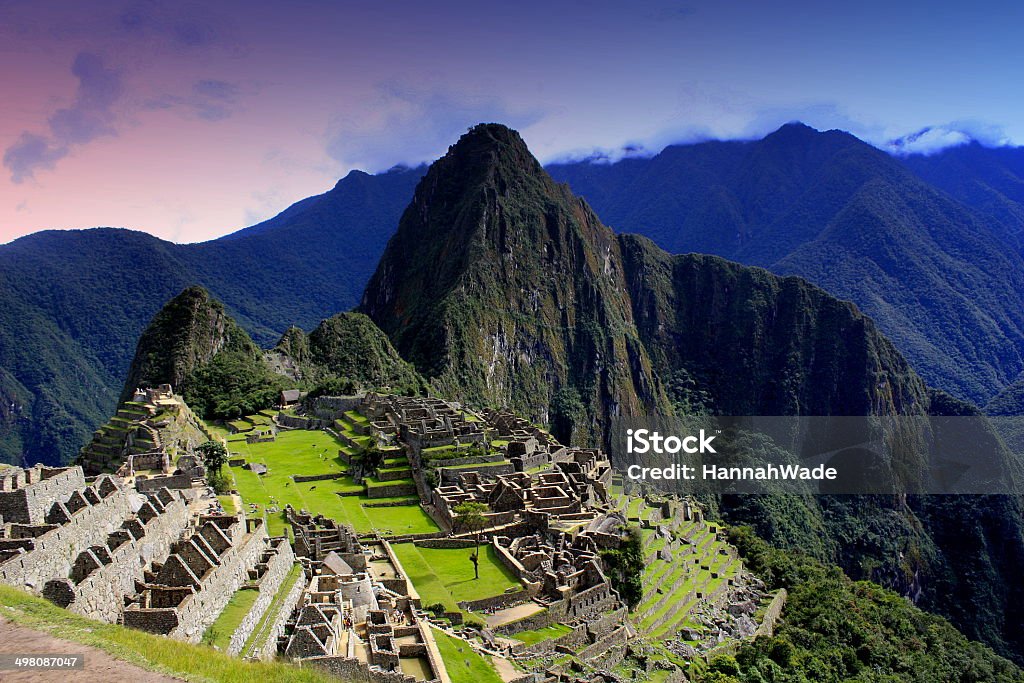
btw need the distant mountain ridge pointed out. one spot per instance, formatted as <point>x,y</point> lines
<point>863,225</point>
<point>73,303</point>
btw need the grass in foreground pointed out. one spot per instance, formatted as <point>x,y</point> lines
<point>463,663</point>
<point>219,633</point>
<point>155,653</point>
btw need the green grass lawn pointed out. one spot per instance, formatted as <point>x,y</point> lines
<point>258,637</point>
<point>541,634</point>
<point>151,652</point>
<point>219,633</point>
<point>356,418</point>
<point>228,503</point>
<point>447,574</point>
<point>463,663</point>
<point>308,453</point>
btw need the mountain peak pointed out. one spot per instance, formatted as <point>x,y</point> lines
<point>490,133</point>
<point>185,334</point>
<point>796,127</point>
<point>487,146</point>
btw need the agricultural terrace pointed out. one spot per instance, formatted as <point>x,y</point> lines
<point>306,453</point>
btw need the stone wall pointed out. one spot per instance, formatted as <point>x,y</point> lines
<point>100,593</point>
<point>277,570</point>
<point>54,551</point>
<point>447,543</point>
<point>174,481</point>
<point>300,478</point>
<point>496,601</point>
<point>509,560</point>
<point>617,637</point>
<point>571,641</point>
<point>451,475</point>
<point>772,614</point>
<point>554,613</point>
<point>193,615</point>
<point>27,495</point>
<point>275,629</point>
<point>295,422</point>
<point>467,460</point>
<point>196,614</point>
<point>608,652</point>
<point>590,602</point>
<point>528,462</point>
<point>390,490</point>
<point>354,671</point>
<point>582,634</point>
<point>329,407</point>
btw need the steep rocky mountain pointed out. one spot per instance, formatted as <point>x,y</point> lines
<point>500,286</point>
<point>343,354</point>
<point>196,347</point>
<point>853,220</point>
<point>503,288</point>
<point>73,303</point>
<point>760,344</point>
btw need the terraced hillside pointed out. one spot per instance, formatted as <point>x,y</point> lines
<point>317,470</point>
<point>696,590</point>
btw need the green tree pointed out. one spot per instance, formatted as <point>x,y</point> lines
<point>470,516</point>
<point>625,566</point>
<point>214,455</point>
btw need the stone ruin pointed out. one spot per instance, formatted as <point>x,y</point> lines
<point>108,552</point>
<point>421,422</point>
<point>575,483</point>
<point>317,536</point>
<point>351,622</point>
<point>563,573</point>
<point>146,439</point>
<point>83,544</point>
<point>183,595</point>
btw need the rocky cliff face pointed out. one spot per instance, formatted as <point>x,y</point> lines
<point>502,288</point>
<point>186,334</point>
<point>759,344</point>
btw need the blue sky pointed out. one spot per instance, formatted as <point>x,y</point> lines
<point>190,120</point>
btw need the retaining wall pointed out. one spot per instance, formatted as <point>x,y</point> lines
<point>268,649</point>
<point>27,495</point>
<point>55,550</point>
<point>277,570</point>
<point>100,595</point>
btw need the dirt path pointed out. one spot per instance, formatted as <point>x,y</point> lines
<point>100,667</point>
<point>505,669</point>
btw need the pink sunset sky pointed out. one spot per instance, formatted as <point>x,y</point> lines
<point>190,121</point>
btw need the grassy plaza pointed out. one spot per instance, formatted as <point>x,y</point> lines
<point>306,453</point>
